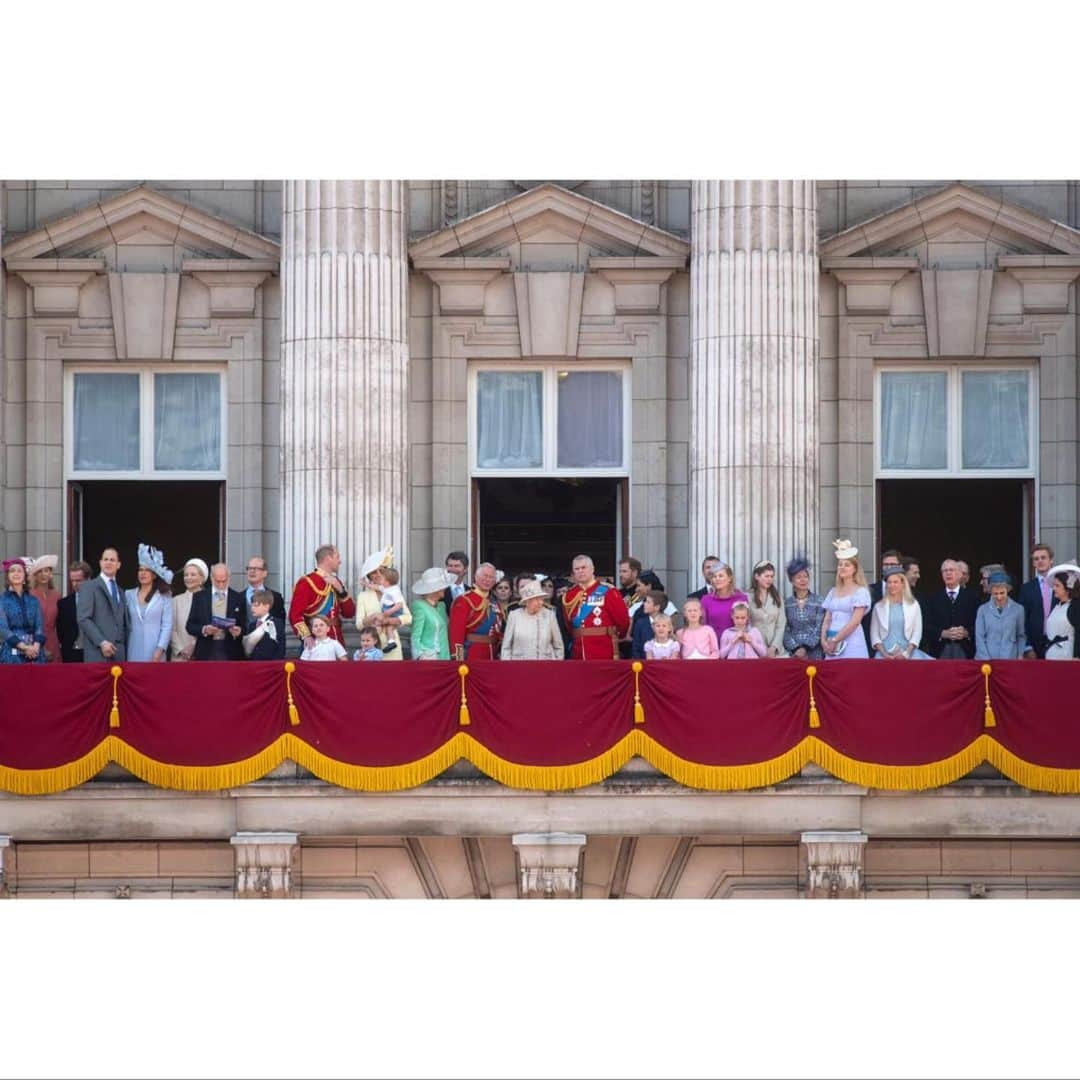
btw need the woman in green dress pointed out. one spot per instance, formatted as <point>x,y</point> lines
<point>430,623</point>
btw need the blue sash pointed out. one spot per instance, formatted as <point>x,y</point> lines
<point>587,608</point>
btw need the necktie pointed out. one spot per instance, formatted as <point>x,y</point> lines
<point>1044,585</point>
<point>115,591</point>
<point>952,596</point>
<point>219,596</point>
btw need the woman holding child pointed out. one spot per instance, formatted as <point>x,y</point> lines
<point>369,601</point>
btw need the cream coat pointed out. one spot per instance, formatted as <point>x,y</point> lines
<point>532,637</point>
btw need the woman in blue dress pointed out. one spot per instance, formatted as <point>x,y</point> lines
<point>22,632</point>
<point>896,621</point>
<point>150,608</point>
<point>841,630</point>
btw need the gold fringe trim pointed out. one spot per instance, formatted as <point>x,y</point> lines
<point>551,777</point>
<point>1035,777</point>
<point>59,777</point>
<point>898,777</point>
<point>375,777</point>
<point>722,777</point>
<point>196,777</point>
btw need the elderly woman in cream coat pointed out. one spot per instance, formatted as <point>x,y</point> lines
<point>531,631</point>
<point>182,644</point>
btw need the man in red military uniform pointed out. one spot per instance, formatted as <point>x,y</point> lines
<point>595,613</point>
<point>321,593</point>
<point>475,623</point>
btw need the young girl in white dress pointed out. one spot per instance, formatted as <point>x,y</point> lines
<point>663,645</point>
<point>324,647</point>
<point>1061,623</point>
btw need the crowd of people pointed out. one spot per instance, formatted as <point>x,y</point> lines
<point>535,616</point>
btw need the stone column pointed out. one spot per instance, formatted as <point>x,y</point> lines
<point>753,372</point>
<point>344,357</point>
<point>548,865</point>
<point>834,864</point>
<point>264,864</point>
<point>5,843</point>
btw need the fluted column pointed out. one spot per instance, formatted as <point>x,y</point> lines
<point>753,372</point>
<point>344,408</point>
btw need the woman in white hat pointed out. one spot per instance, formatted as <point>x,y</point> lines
<point>1063,622</point>
<point>430,622</point>
<point>369,601</point>
<point>150,609</point>
<point>531,631</point>
<point>842,636</point>
<point>182,644</point>
<point>40,574</point>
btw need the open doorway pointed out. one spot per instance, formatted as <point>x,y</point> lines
<point>539,524</point>
<point>184,518</point>
<point>979,521</point>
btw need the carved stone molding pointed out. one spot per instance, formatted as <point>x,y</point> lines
<point>834,864</point>
<point>264,864</point>
<point>549,865</point>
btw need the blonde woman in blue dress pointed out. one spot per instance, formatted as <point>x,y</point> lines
<point>842,637</point>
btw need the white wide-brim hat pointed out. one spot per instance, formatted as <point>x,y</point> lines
<point>434,579</point>
<point>1068,568</point>
<point>383,557</point>
<point>844,549</point>
<point>42,562</point>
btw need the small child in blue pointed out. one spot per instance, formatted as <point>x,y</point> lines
<point>369,645</point>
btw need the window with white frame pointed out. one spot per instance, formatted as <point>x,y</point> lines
<point>974,420</point>
<point>167,423</point>
<point>550,419</point>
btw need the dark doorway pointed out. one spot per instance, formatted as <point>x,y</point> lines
<point>979,521</point>
<point>539,525</point>
<point>184,518</point>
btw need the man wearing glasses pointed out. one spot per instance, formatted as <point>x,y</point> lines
<point>256,581</point>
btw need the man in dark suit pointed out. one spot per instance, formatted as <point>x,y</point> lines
<point>67,615</point>
<point>457,566</point>
<point>708,565</point>
<point>950,617</point>
<point>256,580</point>
<point>103,614</point>
<point>217,642</point>
<point>889,559</point>
<point>1036,597</point>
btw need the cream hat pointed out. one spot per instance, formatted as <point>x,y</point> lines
<point>200,566</point>
<point>376,559</point>
<point>434,579</point>
<point>42,562</point>
<point>531,590</point>
<point>844,549</point>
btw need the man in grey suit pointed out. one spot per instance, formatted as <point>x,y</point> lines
<point>103,614</point>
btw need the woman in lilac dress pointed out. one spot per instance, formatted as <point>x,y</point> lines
<point>722,597</point>
<point>842,637</point>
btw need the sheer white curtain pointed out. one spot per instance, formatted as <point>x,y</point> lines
<point>590,419</point>
<point>914,429</point>
<point>106,421</point>
<point>510,427</point>
<point>187,422</point>
<point>996,420</point>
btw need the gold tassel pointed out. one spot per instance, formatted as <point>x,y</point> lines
<point>639,709</point>
<point>989,720</point>
<point>464,719</point>
<point>815,719</point>
<point>114,713</point>
<point>294,712</point>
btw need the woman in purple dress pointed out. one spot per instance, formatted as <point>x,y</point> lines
<point>848,601</point>
<point>722,597</point>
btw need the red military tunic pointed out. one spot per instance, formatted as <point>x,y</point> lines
<point>313,595</point>
<point>475,626</point>
<point>597,618</point>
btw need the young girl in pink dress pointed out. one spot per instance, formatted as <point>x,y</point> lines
<point>741,641</point>
<point>663,645</point>
<point>697,640</point>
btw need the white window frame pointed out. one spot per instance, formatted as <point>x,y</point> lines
<point>550,396</point>
<point>146,470</point>
<point>954,419</point>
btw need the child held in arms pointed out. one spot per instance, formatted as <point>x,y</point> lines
<point>369,645</point>
<point>391,601</point>
<point>323,646</point>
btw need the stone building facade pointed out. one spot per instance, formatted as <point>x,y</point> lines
<point>680,368</point>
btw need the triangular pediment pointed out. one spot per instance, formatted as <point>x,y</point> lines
<point>141,218</point>
<point>549,215</point>
<point>958,214</point>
